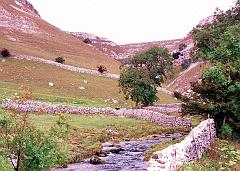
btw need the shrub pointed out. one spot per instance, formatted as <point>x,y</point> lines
<point>5,53</point>
<point>60,60</point>
<point>176,55</point>
<point>227,130</point>
<point>102,69</point>
<point>28,148</point>
<point>87,41</point>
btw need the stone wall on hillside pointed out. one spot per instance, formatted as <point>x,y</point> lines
<point>166,108</point>
<point>191,148</point>
<point>66,67</point>
<point>148,115</point>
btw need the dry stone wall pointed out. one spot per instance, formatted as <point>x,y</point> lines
<point>66,67</point>
<point>166,108</point>
<point>191,148</point>
<point>144,114</point>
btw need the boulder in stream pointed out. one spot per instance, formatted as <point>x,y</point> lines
<point>96,160</point>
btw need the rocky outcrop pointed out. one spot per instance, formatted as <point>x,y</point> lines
<point>143,114</point>
<point>131,49</point>
<point>188,150</point>
<point>120,52</point>
<point>28,6</point>
<point>100,43</point>
<point>12,21</point>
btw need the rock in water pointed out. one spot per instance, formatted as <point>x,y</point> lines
<point>96,160</point>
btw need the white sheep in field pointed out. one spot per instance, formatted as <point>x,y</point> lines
<point>50,84</point>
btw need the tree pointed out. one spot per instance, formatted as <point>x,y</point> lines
<point>29,148</point>
<point>206,36</point>
<point>137,86</point>
<point>218,94</point>
<point>156,61</point>
<point>143,73</point>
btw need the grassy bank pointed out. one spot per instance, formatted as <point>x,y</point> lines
<point>223,155</point>
<point>88,132</point>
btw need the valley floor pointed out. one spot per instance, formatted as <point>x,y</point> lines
<point>88,132</point>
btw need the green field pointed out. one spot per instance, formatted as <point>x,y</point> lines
<point>99,91</point>
<point>88,132</point>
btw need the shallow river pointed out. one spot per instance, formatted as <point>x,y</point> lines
<point>130,159</point>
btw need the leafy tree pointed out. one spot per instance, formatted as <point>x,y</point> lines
<point>137,86</point>
<point>156,61</point>
<point>207,36</point>
<point>143,72</point>
<point>29,148</point>
<point>218,94</point>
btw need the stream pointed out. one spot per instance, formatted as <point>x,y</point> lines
<point>130,158</point>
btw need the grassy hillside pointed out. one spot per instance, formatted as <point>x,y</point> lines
<point>183,80</point>
<point>41,39</point>
<point>99,91</point>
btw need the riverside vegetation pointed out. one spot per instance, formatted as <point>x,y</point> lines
<point>26,135</point>
<point>217,95</point>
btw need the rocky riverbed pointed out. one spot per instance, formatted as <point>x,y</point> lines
<point>123,156</point>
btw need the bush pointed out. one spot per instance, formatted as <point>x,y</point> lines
<point>227,130</point>
<point>27,146</point>
<point>60,60</point>
<point>176,55</point>
<point>87,41</point>
<point>102,69</point>
<point>5,53</point>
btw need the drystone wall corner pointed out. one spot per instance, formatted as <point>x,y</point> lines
<point>188,150</point>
